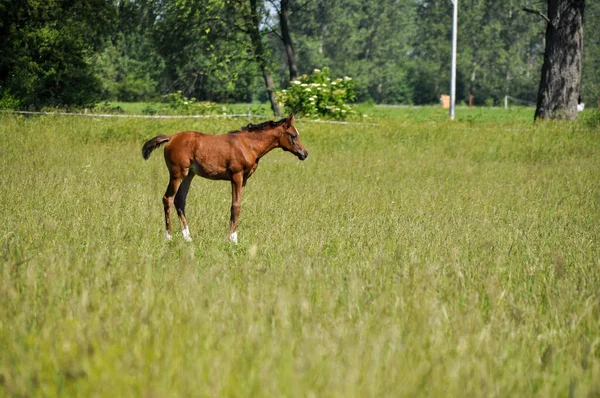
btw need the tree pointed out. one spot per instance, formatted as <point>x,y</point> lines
<point>206,49</point>
<point>430,75</point>
<point>283,13</point>
<point>591,57</point>
<point>260,54</point>
<point>500,51</point>
<point>75,52</point>
<point>47,47</point>
<point>129,66</point>
<point>560,84</point>
<point>369,41</point>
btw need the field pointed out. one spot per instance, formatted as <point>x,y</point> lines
<point>415,257</point>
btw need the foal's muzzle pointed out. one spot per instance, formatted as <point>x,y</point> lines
<point>302,155</point>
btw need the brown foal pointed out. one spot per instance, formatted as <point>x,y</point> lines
<point>233,157</point>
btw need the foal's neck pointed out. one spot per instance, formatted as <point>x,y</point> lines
<point>262,142</point>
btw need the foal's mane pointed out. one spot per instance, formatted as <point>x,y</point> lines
<point>260,127</point>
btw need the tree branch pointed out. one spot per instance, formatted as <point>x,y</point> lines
<point>292,12</point>
<point>538,13</point>
<point>274,4</point>
<point>273,31</point>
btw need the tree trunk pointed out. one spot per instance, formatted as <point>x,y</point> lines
<point>259,53</point>
<point>560,84</point>
<point>472,83</point>
<point>284,24</point>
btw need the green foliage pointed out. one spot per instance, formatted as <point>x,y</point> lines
<point>591,54</point>
<point>502,51</point>
<point>125,78</point>
<point>107,107</point>
<point>7,101</point>
<point>130,67</point>
<point>47,48</point>
<point>182,105</point>
<point>418,257</point>
<point>369,41</point>
<point>590,118</point>
<point>317,95</point>
<point>397,51</point>
<point>177,100</point>
<point>149,110</point>
<point>208,52</point>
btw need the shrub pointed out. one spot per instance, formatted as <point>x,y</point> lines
<point>149,110</point>
<point>590,118</point>
<point>106,107</point>
<point>183,105</point>
<point>317,95</point>
<point>7,101</point>
<point>177,100</point>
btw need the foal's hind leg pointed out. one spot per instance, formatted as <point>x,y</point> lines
<point>168,199</point>
<point>180,198</point>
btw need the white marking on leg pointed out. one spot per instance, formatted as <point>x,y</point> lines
<point>233,237</point>
<point>186,234</point>
<point>168,236</point>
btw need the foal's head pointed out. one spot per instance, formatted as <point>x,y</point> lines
<point>290,141</point>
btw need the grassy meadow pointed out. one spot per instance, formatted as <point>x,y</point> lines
<point>415,257</point>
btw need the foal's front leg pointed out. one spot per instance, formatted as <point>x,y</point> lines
<point>237,187</point>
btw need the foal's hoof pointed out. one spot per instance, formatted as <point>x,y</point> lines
<point>186,234</point>
<point>233,237</point>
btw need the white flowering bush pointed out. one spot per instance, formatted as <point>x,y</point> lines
<point>316,95</point>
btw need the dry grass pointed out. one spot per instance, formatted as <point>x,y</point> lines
<point>417,257</point>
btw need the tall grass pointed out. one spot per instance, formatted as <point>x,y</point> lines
<point>416,257</point>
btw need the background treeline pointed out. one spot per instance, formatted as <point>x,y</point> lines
<point>77,52</point>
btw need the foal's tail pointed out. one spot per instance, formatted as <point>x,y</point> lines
<point>152,144</point>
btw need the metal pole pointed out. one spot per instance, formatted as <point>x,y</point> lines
<point>453,74</point>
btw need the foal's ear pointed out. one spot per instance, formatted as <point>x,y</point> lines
<point>290,120</point>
